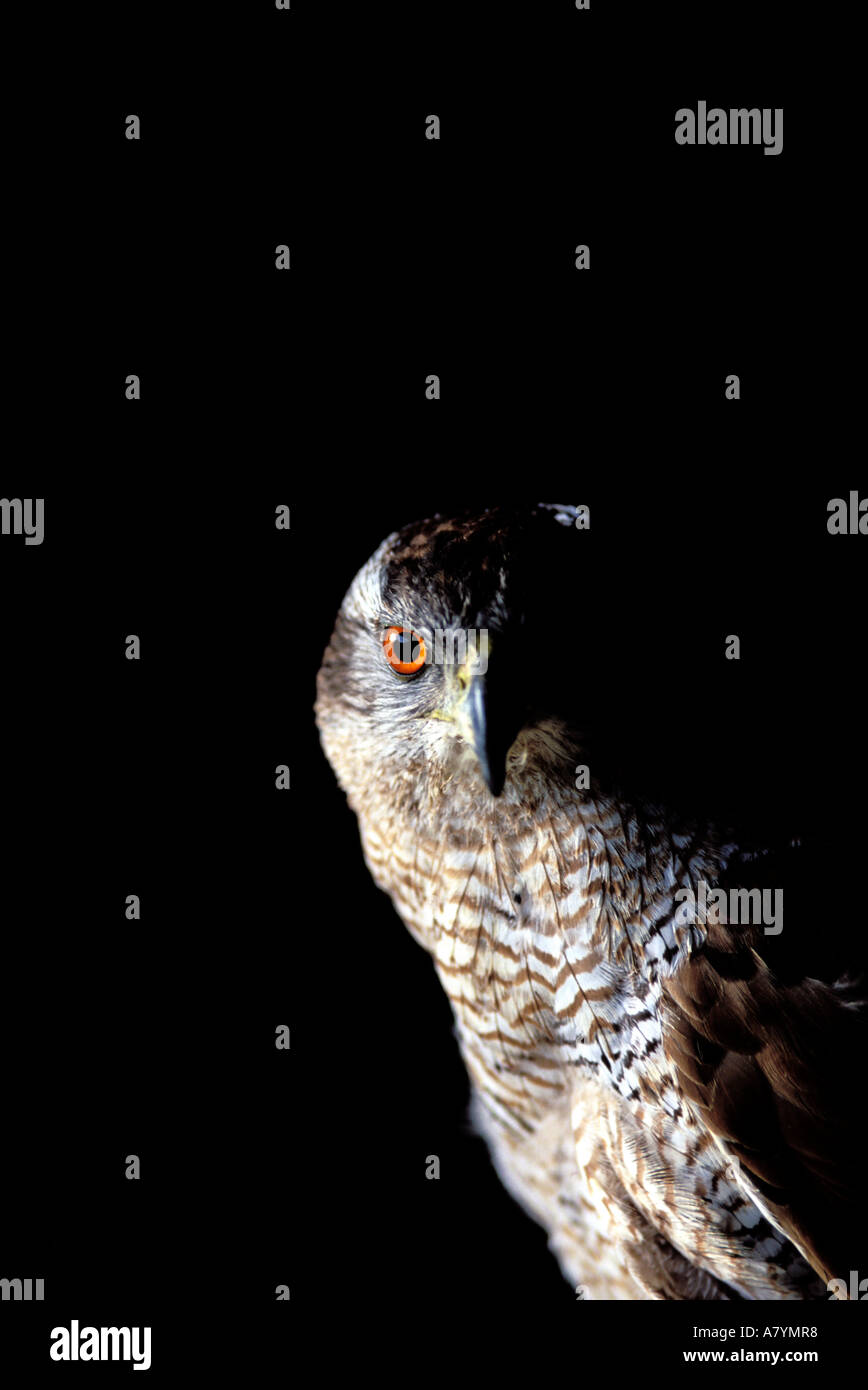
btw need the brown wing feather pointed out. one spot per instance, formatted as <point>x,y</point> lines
<point>771,1066</point>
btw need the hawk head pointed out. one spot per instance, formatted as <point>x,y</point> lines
<point>454,653</point>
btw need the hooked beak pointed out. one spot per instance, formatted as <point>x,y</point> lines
<point>492,731</point>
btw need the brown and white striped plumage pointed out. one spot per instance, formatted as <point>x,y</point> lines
<point>662,1099</point>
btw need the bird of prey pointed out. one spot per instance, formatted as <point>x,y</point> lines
<point>670,1093</point>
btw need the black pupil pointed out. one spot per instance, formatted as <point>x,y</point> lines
<point>406,648</point>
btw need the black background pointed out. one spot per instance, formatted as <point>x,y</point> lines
<point>307,388</point>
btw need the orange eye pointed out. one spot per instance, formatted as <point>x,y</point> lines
<point>405,650</point>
